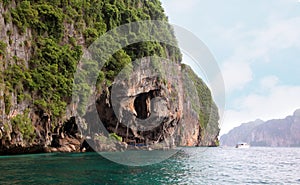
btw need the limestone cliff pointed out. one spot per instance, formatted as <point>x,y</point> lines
<point>40,48</point>
<point>200,113</point>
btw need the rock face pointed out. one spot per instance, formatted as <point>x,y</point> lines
<point>154,108</point>
<point>147,105</point>
<point>41,44</point>
<point>200,114</point>
<point>275,133</point>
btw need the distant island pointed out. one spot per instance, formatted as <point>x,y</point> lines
<point>273,133</point>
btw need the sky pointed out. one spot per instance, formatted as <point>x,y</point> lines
<point>256,44</point>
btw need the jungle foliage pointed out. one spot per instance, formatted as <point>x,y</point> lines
<point>46,79</point>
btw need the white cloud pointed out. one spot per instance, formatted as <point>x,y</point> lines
<point>236,75</point>
<point>256,45</point>
<point>242,41</point>
<point>279,100</point>
<point>280,34</point>
<point>269,82</point>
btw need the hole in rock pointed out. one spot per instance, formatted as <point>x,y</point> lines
<point>142,105</point>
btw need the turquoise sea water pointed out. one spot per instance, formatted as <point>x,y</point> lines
<point>189,166</point>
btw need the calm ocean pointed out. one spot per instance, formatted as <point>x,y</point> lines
<point>188,166</point>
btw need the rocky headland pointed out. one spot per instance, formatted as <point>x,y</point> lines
<point>41,45</point>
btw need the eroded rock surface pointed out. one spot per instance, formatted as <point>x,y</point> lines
<point>39,53</point>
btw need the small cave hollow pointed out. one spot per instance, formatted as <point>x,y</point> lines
<point>142,105</point>
<point>142,109</point>
<point>70,127</point>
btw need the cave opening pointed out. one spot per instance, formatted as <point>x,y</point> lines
<point>142,109</point>
<point>142,105</point>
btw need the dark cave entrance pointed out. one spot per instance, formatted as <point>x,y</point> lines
<point>142,105</point>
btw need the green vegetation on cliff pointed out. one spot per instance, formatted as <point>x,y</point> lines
<point>54,61</point>
<point>23,124</point>
<point>59,31</point>
<point>38,72</point>
<point>205,107</point>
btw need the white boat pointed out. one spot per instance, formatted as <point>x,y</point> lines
<point>242,145</point>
